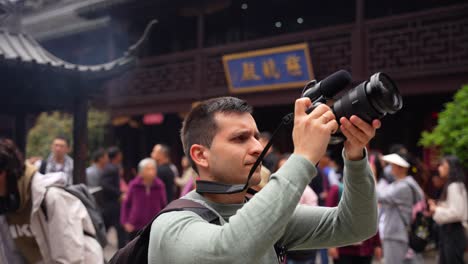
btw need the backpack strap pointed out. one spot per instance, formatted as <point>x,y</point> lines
<point>414,200</point>
<point>43,205</point>
<point>189,205</point>
<point>44,209</point>
<point>43,167</point>
<point>182,205</point>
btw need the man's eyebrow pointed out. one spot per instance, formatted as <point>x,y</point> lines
<point>245,132</point>
<point>240,132</point>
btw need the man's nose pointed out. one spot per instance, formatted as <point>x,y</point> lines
<point>257,148</point>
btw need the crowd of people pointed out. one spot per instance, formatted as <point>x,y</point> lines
<point>355,206</point>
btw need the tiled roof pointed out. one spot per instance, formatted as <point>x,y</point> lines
<point>19,50</point>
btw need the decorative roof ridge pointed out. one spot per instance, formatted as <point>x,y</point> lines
<point>24,48</point>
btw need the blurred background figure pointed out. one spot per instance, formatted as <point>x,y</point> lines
<point>44,224</point>
<point>145,198</point>
<point>161,154</point>
<point>94,172</point>
<point>58,160</point>
<point>186,183</point>
<point>451,213</point>
<point>397,202</point>
<point>110,183</point>
<point>398,149</point>
<point>376,165</point>
<point>359,253</point>
<point>272,157</point>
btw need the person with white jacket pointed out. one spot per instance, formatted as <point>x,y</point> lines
<point>46,224</point>
<point>451,213</point>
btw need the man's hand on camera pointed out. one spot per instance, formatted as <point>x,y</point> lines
<point>312,132</point>
<point>358,133</point>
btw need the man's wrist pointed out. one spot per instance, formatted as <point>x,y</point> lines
<point>312,159</point>
<point>355,155</point>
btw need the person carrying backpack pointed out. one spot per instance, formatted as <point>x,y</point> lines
<point>47,224</point>
<point>397,202</point>
<point>220,137</point>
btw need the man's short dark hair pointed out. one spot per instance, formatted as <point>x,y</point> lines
<point>62,137</point>
<point>199,127</point>
<point>112,152</point>
<point>98,154</point>
<point>11,159</point>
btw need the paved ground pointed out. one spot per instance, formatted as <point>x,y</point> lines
<point>429,257</point>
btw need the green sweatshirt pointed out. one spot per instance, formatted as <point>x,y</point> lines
<point>250,230</point>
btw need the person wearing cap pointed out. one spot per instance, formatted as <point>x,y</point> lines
<point>396,208</point>
<point>221,139</point>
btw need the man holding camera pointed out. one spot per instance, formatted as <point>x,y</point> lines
<point>220,137</point>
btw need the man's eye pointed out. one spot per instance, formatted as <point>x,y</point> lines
<point>240,138</point>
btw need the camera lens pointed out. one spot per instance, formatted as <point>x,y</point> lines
<point>383,94</point>
<point>370,100</point>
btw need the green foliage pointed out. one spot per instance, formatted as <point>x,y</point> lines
<point>50,125</point>
<point>451,132</point>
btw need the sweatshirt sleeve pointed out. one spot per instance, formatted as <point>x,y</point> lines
<point>184,237</point>
<point>454,207</point>
<point>396,195</point>
<point>353,220</point>
<point>126,206</point>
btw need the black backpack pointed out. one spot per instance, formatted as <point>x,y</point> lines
<point>81,192</point>
<point>136,251</point>
<point>419,229</point>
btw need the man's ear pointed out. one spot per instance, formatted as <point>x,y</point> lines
<point>199,155</point>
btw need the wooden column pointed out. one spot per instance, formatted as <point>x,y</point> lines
<point>358,45</point>
<point>20,132</point>
<point>80,139</point>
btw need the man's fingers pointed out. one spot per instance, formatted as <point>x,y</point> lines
<point>362,125</point>
<point>376,123</point>
<point>354,131</point>
<point>301,106</point>
<point>332,126</point>
<point>320,110</point>
<point>357,132</point>
<point>350,136</point>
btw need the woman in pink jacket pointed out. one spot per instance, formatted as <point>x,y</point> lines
<point>145,198</point>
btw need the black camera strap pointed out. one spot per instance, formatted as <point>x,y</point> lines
<point>222,188</point>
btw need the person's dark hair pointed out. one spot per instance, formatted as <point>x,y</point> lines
<point>399,149</point>
<point>11,160</point>
<point>456,173</point>
<point>98,154</point>
<point>62,137</point>
<point>166,150</point>
<point>199,127</point>
<point>374,158</point>
<point>112,152</point>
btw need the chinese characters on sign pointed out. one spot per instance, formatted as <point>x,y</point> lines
<point>275,68</point>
